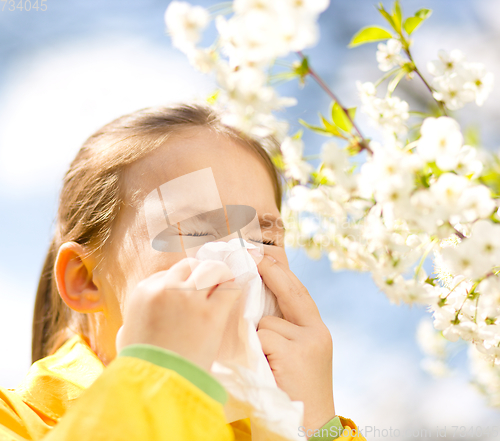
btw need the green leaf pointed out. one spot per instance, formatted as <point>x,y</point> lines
<point>490,179</point>
<point>435,170</point>
<point>430,281</point>
<point>213,97</point>
<point>395,81</point>
<point>340,118</point>
<point>319,178</point>
<point>278,161</point>
<point>412,23</point>
<point>370,34</point>
<point>472,136</point>
<point>353,148</point>
<point>282,76</point>
<point>421,114</point>
<point>442,301</point>
<point>329,126</point>
<point>316,129</point>
<point>397,16</point>
<point>423,13</point>
<point>386,15</point>
<point>352,112</point>
<point>301,69</point>
<point>298,135</point>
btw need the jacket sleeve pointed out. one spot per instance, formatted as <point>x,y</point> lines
<point>132,399</point>
<point>330,431</point>
<point>145,393</point>
<point>338,428</point>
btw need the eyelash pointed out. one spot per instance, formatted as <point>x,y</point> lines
<point>265,242</point>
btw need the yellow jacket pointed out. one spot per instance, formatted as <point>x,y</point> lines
<point>71,395</point>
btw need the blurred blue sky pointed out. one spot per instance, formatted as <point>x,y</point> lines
<point>66,71</point>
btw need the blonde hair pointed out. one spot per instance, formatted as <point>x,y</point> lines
<point>92,195</point>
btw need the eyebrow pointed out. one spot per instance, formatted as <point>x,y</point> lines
<point>269,218</point>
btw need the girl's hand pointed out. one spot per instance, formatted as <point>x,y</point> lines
<point>167,310</point>
<point>299,347</point>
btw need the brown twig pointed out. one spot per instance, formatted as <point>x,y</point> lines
<point>363,143</point>
<point>431,90</point>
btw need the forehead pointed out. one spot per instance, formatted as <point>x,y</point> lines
<point>239,174</point>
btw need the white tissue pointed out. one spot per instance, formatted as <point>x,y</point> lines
<point>241,366</point>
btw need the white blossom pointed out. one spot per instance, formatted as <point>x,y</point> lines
<point>335,162</point>
<point>296,167</point>
<point>458,82</point>
<point>490,287</point>
<point>367,91</point>
<point>245,6</point>
<point>447,62</point>
<point>486,376</point>
<point>447,191</point>
<point>424,212</point>
<point>443,318</point>
<point>292,149</point>
<point>388,113</point>
<point>261,31</point>
<point>489,301</point>
<point>476,203</point>
<point>333,156</point>
<point>399,289</point>
<point>463,259</point>
<point>485,236</point>
<point>468,163</point>
<point>390,212</point>
<point>185,23</point>
<point>450,89</point>
<point>388,55</point>
<point>315,200</point>
<point>441,141</point>
<point>479,81</point>
<point>467,330</point>
<point>204,60</point>
<point>385,166</point>
<point>299,170</point>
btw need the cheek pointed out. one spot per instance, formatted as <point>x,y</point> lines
<point>152,263</point>
<point>128,272</point>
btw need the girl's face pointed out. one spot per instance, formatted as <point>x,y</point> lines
<point>241,179</point>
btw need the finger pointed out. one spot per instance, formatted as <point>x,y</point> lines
<point>293,298</point>
<point>118,340</point>
<point>224,295</point>
<point>278,325</point>
<point>179,271</point>
<point>271,341</point>
<point>208,274</point>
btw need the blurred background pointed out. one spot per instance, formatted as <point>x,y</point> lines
<point>68,70</point>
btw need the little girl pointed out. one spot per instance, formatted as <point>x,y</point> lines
<point>122,338</point>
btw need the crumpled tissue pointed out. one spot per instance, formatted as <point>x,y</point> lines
<point>241,366</point>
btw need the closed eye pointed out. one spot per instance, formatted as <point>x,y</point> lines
<point>265,242</point>
<point>198,234</point>
<point>194,234</point>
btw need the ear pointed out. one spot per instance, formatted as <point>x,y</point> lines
<point>75,278</point>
